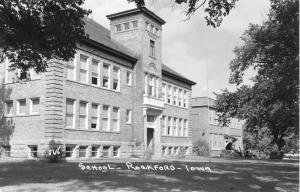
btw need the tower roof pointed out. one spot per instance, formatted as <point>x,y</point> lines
<point>135,11</point>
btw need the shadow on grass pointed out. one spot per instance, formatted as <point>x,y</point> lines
<point>67,176</point>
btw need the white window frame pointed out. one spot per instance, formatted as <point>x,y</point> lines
<point>98,72</point>
<point>31,106</point>
<point>86,70</point>
<point>18,106</point>
<point>74,113</point>
<point>118,118</point>
<point>74,69</point>
<point>117,79</point>
<point>98,116</point>
<point>6,108</point>
<point>86,115</point>
<point>128,116</point>
<point>108,117</point>
<point>108,75</point>
<point>128,78</point>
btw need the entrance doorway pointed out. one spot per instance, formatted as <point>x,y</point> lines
<point>150,140</point>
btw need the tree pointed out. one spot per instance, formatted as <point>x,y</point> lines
<point>272,50</point>
<point>33,32</point>
<point>6,124</point>
<point>216,10</point>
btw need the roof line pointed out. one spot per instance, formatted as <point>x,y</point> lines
<point>164,72</point>
<point>111,50</point>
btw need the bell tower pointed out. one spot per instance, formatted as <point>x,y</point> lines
<point>140,31</point>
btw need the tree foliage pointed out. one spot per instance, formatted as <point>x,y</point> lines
<point>34,31</point>
<point>215,10</point>
<point>272,50</point>
<point>6,124</point>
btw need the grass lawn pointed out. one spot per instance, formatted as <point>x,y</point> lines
<point>225,175</point>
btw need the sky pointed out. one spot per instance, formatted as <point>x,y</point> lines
<point>190,47</point>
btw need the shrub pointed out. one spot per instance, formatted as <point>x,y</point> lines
<point>55,152</point>
<point>201,148</point>
<point>181,153</point>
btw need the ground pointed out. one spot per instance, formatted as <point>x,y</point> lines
<point>225,175</point>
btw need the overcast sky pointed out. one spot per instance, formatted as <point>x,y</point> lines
<point>199,52</point>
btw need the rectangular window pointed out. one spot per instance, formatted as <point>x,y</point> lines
<point>105,151</point>
<point>33,74</point>
<point>151,85</point>
<point>69,150</point>
<point>169,130</point>
<point>185,128</point>
<point>94,151</point>
<point>118,28</point>
<point>163,125</point>
<point>83,69</point>
<point>128,78</point>
<point>83,115</point>
<point>134,24</point>
<point>95,72</point>
<point>147,26</point>
<point>152,48</point>
<point>34,106</point>
<point>105,118</point>
<point>169,94</point>
<point>175,127</point>
<point>70,113</point>
<point>180,128</point>
<point>82,151</point>
<point>116,121</point>
<point>116,78</point>
<point>106,76</point>
<point>21,107</point>
<point>116,150</point>
<point>150,118</point>
<point>184,99</point>
<point>9,108</point>
<point>180,98</point>
<point>71,72</point>
<point>157,31</point>
<point>174,96</point>
<point>128,116</point>
<point>152,29</point>
<point>126,26</point>
<point>33,151</point>
<point>163,92</point>
<point>95,116</point>
<point>11,75</point>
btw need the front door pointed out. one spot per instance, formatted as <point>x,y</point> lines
<point>150,140</point>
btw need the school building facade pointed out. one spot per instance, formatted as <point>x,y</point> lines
<point>205,127</point>
<point>116,98</point>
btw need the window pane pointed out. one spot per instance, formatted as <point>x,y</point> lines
<point>70,106</point>
<point>126,25</point>
<point>115,113</point>
<point>70,72</point>
<point>105,124</point>
<point>69,120</point>
<point>94,110</point>
<point>115,125</point>
<point>128,78</point>
<point>95,66</point>
<point>9,107</point>
<point>83,62</point>
<point>82,108</point>
<point>35,105</point>
<point>134,24</point>
<point>22,106</point>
